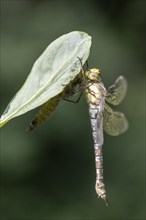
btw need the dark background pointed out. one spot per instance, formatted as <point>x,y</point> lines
<point>50,173</point>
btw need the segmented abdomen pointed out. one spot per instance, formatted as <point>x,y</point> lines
<point>95,98</point>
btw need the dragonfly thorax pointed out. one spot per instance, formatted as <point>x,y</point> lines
<point>93,75</point>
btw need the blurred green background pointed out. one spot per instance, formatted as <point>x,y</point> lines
<point>50,173</point>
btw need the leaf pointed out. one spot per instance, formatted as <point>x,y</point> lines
<point>52,71</point>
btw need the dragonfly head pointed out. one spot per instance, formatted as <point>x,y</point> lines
<point>93,75</point>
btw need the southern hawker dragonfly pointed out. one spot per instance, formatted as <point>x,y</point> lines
<point>101,114</point>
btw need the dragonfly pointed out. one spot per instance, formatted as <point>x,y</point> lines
<point>102,116</point>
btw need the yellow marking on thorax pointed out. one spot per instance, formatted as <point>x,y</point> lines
<point>93,93</point>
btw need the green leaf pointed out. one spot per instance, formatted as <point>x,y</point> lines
<point>52,71</point>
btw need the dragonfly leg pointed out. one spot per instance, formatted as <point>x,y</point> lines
<point>87,64</point>
<point>81,65</point>
<point>82,69</point>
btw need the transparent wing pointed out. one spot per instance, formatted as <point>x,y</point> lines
<point>114,123</point>
<point>117,92</point>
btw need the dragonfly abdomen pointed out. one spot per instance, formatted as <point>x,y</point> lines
<point>96,102</point>
<point>97,132</point>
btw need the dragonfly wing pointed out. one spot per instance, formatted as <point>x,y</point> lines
<point>114,123</point>
<point>117,92</point>
<point>44,113</point>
